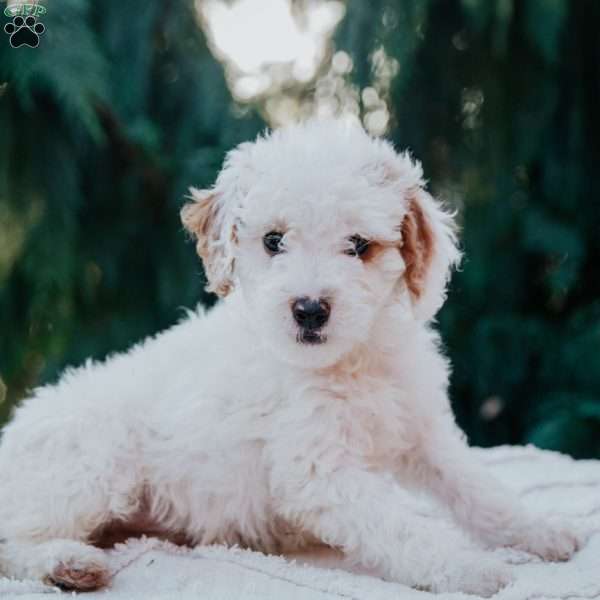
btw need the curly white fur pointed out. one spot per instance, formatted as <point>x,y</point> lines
<point>225,428</point>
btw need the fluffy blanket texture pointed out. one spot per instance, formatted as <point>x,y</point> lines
<point>149,569</point>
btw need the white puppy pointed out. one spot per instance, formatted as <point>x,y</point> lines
<point>304,407</point>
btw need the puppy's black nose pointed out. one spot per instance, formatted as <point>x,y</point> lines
<point>311,314</point>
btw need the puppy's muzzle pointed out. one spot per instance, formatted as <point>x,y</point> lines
<point>311,315</point>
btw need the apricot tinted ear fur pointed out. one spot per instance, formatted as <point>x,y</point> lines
<point>203,217</point>
<point>429,249</point>
<point>417,248</point>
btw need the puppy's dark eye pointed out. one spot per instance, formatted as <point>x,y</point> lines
<point>359,246</point>
<point>272,242</point>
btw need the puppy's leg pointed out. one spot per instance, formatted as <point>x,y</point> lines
<point>367,515</point>
<point>67,564</point>
<point>45,524</point>
<point>62,477</point>
<point>481,504</point>
<point>50,545</point>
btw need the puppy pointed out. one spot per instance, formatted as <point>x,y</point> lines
<point>307,406</point>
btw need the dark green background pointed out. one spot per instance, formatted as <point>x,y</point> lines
<point>104,126</point>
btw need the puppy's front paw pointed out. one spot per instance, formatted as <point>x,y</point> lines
<point>82,578</point>
<point>476,573</point>
<point>552,540</point>
<point>84,570</point>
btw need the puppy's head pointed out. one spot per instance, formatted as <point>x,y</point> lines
<point>321,229</point>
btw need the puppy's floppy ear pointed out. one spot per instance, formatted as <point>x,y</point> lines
<point>205,218</point>
<point>429,249</point>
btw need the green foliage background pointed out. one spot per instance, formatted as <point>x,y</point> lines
<point>104,126</point>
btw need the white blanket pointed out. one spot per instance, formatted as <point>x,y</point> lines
<point>150,569</point>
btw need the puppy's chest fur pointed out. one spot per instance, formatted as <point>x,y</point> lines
<point>366,415</point>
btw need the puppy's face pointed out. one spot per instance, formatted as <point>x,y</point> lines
<point>321,228</point>
<point>316,265</point>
